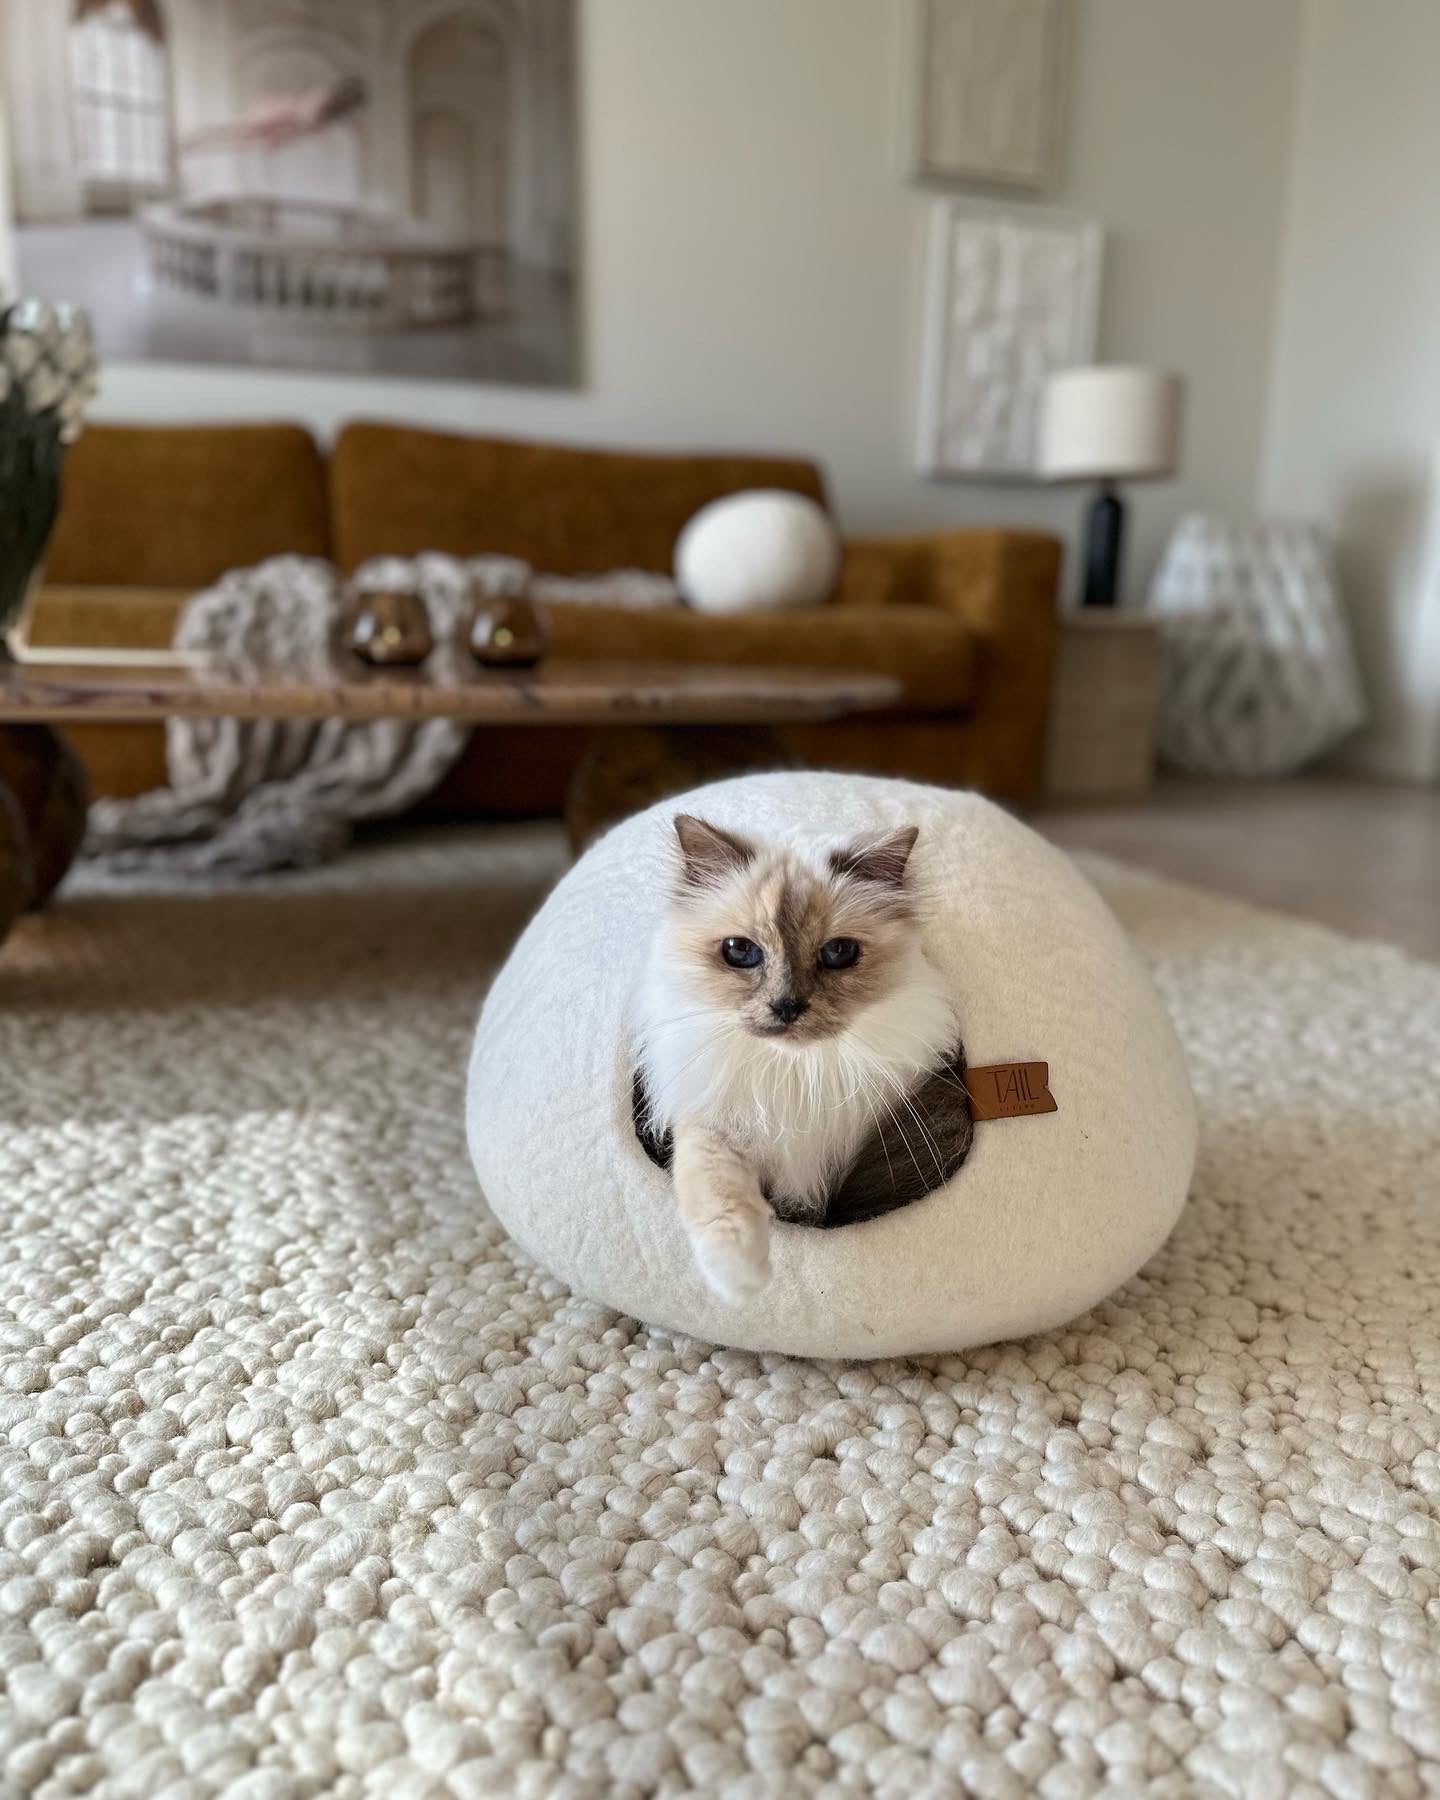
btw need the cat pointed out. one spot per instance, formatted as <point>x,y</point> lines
<point>786,1012</point>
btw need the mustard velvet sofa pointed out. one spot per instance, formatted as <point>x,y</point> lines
<point>966,619</point>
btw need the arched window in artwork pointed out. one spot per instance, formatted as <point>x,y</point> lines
<point>460,105</point>
<point>122,99</point>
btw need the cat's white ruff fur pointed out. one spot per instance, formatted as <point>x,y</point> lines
<point>798,1111</point>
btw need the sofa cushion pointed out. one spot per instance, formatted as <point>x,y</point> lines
<point>397,490</point>
<point>178,505</point>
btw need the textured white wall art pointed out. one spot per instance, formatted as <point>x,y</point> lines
<point>1011,297</point>
<point>1260,678</point>
<point>987,91</point>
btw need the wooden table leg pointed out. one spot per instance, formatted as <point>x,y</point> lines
<point>630,767</point>
<point>48,783</point>
<point>14,862</point>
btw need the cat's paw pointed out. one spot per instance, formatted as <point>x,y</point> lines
<point>733,1256</point>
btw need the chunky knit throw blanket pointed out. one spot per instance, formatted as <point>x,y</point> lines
<point>248,795</point>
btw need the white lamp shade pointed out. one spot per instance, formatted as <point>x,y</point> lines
<point>1109,423</point>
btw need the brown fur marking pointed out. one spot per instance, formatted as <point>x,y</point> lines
<point>878,857</point>
<point>709,854</point>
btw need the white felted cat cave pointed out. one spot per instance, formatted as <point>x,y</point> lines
<point>1046,1215</point>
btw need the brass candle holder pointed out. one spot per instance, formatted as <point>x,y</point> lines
<point>507,632</point>
<point>389,627</point>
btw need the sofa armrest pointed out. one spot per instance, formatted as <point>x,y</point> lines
<point>1004,586</point>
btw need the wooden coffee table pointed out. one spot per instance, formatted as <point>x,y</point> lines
<point>553,693</point>
<point>35,697</point>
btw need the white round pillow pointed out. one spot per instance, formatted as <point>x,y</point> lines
<point>758,551</point>
<point>1045,1216</point>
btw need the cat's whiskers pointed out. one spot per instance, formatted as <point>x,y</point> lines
<point>922,1125</point>
<point>672,1022</point>
<point>696,1056</point>
<point>898,1096</point>
<point>879,1131</point>
<point>716,1034</point>
<point>886,1086</point>
<point>885,1100</point>
<point>893,1039</point>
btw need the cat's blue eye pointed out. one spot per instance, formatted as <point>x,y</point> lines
<point>741,953</point>
<point>839,953</point>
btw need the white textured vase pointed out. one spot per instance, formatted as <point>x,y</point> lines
<point>1260,678</point>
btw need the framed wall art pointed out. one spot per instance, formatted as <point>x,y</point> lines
<point>1012,294</point>
<point>378,186</point>
<point>987,91</point>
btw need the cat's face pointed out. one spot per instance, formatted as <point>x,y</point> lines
<point>792,952</point>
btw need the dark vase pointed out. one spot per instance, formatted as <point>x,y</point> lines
<point>47,378</point>
<point>30,455</point>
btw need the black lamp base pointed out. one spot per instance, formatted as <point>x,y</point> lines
<point>1104,542</point>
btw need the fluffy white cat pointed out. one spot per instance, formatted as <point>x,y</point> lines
<point>786,1007</point>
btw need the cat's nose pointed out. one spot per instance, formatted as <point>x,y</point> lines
<point>788,1008</point>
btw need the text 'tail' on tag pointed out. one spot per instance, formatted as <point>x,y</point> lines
<point>1017,1090</point>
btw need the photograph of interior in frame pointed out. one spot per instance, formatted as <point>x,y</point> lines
<point>378,186</point>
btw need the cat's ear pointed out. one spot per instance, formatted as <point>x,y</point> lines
<point>708,853</point>
<point>880,857</point>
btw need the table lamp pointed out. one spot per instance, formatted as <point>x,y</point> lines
<point>1108,425</point>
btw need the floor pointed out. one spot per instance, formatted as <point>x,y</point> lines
<point>1187,1537</point>
<point>1360,856</point>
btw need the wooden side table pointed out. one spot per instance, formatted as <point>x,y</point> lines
<point>1106,703</point>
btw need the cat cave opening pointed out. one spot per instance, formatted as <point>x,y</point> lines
<point>913,1150</point>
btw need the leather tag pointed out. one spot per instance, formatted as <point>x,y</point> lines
<point>1010,1090</point>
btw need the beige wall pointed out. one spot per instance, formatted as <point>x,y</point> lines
<point>754,254</point>
<point>7,248</point>
<point>33,91</point>
<point>1354,417</point>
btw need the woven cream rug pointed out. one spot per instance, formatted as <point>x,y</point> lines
<point>309,1486</point>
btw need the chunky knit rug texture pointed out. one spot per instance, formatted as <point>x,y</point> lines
<point>310,1485</point>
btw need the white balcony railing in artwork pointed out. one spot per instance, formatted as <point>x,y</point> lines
<point>324,264</point>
